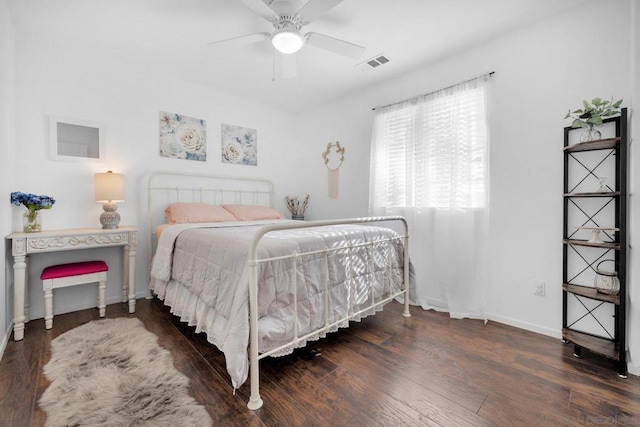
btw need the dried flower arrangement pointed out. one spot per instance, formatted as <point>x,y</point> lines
<point>296,206</point>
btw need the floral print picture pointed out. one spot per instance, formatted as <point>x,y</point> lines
<point>183,137</point>
<point>239,145</point>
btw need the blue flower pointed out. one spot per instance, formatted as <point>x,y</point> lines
<point>31,201</point>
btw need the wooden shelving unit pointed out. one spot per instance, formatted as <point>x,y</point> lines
<point>586,243</point>
<point>612,344</point>
<point>589,292</point>
<point>601,144</point>
<point>598,345</point>
<point>594,194</point>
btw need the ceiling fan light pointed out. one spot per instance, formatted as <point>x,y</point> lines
<point>287,41</point>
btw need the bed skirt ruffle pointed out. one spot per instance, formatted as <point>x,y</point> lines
<point>193,311</point>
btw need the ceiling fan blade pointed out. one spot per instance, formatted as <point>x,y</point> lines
<point>261,8</point>
<point>286,65</point>
<point>316,8</point>
<point>242,40</point>
<point>338,46</point>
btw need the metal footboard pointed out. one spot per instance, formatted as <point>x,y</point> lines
<point>255,402</point>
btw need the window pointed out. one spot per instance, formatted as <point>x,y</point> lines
<point>431,151</point>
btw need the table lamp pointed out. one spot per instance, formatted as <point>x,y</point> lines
<point>109,190</point>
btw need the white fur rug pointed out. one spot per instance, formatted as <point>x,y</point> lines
<point>112,372</point>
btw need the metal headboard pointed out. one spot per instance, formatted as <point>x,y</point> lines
<point>165,187</point>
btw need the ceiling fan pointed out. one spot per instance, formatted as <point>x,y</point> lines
<point>288,17</point>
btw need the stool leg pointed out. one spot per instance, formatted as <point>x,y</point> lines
<point>48,305</point>
<point>102,285</point>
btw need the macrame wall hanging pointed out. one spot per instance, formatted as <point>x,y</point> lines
<point>333,159</point>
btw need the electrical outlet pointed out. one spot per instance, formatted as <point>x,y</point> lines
<point>539,288</point>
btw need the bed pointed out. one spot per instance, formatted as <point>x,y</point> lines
<point>260,285</point>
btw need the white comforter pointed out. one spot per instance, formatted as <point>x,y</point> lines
<point>200,271</point>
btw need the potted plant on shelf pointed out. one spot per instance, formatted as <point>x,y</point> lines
<point>296,206</point>
<point>591,116</point>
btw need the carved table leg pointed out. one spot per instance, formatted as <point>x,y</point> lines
<point>26,289</point>
<point>125,273</point>
<point>19,274</point>
<point>131,283</point>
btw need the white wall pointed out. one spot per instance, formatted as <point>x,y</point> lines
<point>541,72</point>
<point>7,168</point>
<point>88,85</point>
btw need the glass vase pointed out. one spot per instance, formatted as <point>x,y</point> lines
<point>590,134</point>
<point>32,221</point>
<point>606,281</point>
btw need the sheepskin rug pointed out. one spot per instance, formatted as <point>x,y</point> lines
<point>112,372</point>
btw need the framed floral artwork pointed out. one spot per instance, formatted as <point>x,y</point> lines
<point>239,145</point>
<point>183,137</point>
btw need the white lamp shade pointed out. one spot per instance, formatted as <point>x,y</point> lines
<point>109,187</point>
<point>287,41</point>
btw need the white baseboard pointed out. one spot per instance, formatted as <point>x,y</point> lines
<point>82,305</point>
<point>439,305</point>
<point>7,334</point>
<point>525,325</point>
<point>5,340</point>
<point>632,369</point>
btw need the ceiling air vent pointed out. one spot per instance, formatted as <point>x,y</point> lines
<point>373,62</point>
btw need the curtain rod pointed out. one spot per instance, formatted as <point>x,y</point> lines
<point>430,93</point>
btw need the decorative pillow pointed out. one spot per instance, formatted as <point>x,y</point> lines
<point>180,213</point>
<point>253,212</point>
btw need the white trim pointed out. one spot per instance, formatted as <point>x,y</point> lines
<point>53,139</point>
<point>5,339</point>
<point>554,333</point>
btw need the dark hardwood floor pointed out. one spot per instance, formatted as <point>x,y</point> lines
<point>427,370</point>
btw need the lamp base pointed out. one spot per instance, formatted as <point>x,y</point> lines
<point>109,218</point>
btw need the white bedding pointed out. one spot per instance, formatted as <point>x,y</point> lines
<point>200,271</point>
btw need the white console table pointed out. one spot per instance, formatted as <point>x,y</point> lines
<point>24,244</point>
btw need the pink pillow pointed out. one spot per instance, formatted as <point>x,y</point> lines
<point>180,213</point>
<point>252,212</point>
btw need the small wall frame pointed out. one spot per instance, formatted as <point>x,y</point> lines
<point>75,140</point>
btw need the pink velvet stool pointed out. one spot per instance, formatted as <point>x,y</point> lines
<point>77,273</point>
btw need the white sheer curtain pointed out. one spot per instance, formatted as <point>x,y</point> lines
<point>430,164</point>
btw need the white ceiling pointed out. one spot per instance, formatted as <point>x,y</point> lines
<point>170,36</point>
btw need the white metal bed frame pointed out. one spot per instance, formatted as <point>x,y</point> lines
<point>179,187</point>
<point>222,195</point>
